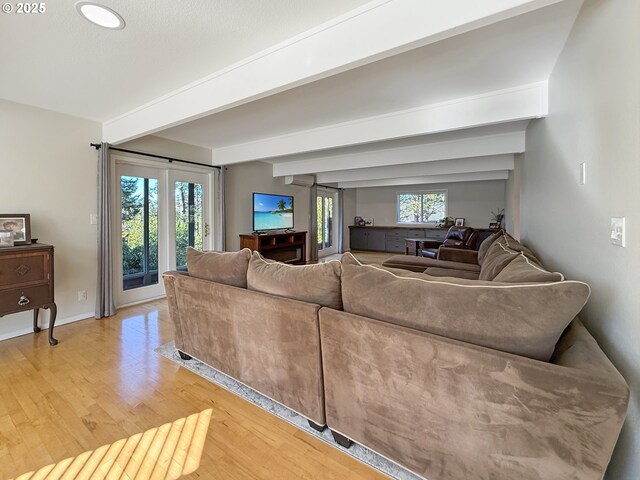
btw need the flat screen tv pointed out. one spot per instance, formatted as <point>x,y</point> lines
<point>272,212</point>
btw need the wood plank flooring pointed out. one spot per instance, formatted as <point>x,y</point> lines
<point>103,382</point>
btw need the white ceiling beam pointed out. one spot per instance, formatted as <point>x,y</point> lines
<point>514,104</point>
<point>343,43</point>
<point>429,179</point>
<point>498,144</point>
<point>443,167</point>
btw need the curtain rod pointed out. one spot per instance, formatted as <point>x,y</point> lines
<point>328,186</point>
<point>97,146</point>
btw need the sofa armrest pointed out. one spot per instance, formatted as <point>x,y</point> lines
<point>445,408</point>
<point>429,244</point>
<point>458,255</point>
<point>174,313</point>
<point>577,349</point>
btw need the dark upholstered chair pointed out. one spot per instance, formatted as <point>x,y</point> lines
<point>457,237</point>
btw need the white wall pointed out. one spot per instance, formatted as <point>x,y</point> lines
<point>594,117</point>
<point>49,171</point>
<point>474,201</point>
<point>245,178</point>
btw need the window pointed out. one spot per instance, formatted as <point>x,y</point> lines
<point>422,207</point>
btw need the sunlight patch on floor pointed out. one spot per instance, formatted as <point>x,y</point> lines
<point>167,452</point>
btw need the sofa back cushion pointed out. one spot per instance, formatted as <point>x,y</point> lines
<point>318,283</point>
<point>486,244</point>
<point>523,270</point>
<point>513,244</point>
<point>229,268</point>
<point>524,319</point>
<point>497,257</point>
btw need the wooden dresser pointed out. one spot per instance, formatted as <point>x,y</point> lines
<point>26,282</point>
<point>284,247</point>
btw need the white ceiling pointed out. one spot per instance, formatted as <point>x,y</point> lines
<point>61,62</point>
<point>384,88</point>
<point>514,52</point>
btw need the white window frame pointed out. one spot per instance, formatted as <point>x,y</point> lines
<point>421,192</point>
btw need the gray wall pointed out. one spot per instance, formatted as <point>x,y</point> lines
<point>594,118</point>
<point>245,178</point>
<point>512,198</point>
<point>48,170</point>
<point>473,201</point>
<point>349,209</point>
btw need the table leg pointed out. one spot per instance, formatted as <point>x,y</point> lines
<point>52,320</point>
<point>36,328</point>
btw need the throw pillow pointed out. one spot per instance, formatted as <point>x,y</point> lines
<point>524,319</point>
<point>319,283</point>
<point>229,268</point>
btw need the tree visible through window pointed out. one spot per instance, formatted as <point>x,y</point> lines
<point>422,207</point>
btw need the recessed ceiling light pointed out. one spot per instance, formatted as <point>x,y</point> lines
<point>100,15</point>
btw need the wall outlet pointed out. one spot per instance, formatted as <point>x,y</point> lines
<point>617,231</point>
<point>82,295</point>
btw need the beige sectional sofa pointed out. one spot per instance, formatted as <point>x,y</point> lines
<point>450,377</point>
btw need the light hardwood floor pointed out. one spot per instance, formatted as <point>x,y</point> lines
<point>103,382</point>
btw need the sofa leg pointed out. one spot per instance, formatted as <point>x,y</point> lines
<point>183,355</point>
<point>315,426</point>
<point>341,439</point>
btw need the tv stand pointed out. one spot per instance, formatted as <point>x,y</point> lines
<point>288,247</point>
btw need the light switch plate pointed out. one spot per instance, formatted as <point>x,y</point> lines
<point>93,219</point>
<point>617,231</point>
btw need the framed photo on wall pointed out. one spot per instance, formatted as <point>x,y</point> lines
<point>19,224</point>
<point>459,222</point>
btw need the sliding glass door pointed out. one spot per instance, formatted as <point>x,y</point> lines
<point>191,214</point>
<point>141,221</point>
<point>160,213</point>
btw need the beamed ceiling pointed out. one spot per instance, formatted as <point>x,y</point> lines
<point>389,92</point>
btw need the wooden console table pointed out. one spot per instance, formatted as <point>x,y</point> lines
<point>283,247</point>
<point>26,282</point>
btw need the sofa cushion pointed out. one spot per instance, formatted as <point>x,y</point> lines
<point>451,272</point>
<point>524,319</point>
<point>418,264</point>
<point>522,270</point>
<point>484,246</point>
<point>319,283</point>
<point>497,257</point>
<point>229,268</point>
<point>513,244</point>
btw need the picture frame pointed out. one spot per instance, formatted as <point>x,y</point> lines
<point>6,238</point>
<point>19,224</point>
<point>494,225</point>
<point>459,222</point>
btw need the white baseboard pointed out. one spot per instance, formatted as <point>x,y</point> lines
<point>59,321</point>
<point>139,302</point>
